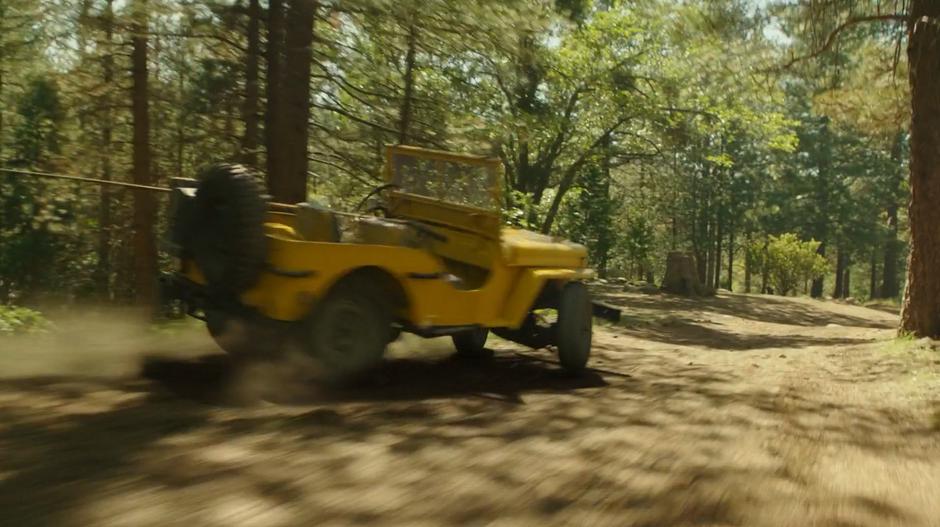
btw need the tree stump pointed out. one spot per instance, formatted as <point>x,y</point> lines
<point>681,276</point>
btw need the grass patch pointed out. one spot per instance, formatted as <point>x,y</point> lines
<point>905,345</point>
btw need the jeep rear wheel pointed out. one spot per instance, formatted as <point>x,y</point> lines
<point>243,338</point>
<point>573,329</point>
<point>471,342</point>
<point>348,331</point>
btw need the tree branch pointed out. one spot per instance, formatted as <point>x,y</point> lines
<point>834,35</point>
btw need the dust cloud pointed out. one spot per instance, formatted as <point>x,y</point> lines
<point>99,344</point>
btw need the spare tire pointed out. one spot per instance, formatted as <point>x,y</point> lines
<point>226,229</point>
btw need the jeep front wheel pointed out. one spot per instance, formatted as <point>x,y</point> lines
<point>573,329</point>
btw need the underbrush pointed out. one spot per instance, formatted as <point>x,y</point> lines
<point>20,320</point>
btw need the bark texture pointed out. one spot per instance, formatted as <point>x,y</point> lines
<point>274,54</point>
<point>839,290</point>
<point>103,248</point>
<point>290,186</point>
<point>249,147</point>
<point>682,276</point>
<point>920,314</point>
<point>407,102</point>
<point>145,211</point>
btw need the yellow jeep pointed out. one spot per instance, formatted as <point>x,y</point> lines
<point>426,253</point>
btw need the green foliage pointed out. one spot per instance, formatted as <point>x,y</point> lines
<point>591,215</point>
<point>19,320</point>
<point>638,243</point>
<point>788,261</point>
<point>634,127</point>
<point>36,137</point>
<point>522,210</point>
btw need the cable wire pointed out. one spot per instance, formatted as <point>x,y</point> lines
<point>85,179</point>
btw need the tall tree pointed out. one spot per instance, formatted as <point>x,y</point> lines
<point>892,244</point>
<point>103,249</point>
<point>920,314</point>
<point>249,147</point>
<point>145,247</point>
<point>407,100</point>
<point>291,184</point>
<point>274,54</point>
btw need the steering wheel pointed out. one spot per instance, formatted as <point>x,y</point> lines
<point>419,227</point>
<point>374,192</point>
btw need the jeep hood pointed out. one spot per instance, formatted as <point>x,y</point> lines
<point>524,248</point>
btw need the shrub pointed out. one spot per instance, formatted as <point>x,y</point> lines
<point>788,261</point>
<point>16,320</point>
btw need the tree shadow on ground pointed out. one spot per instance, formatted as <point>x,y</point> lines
<point>648,427</point>
<point>885,307</point>
<point>53,461</point>
<point>504,377</point>
<point>680,331</point>
<point>751,307</point>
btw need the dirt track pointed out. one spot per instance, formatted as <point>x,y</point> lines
<point>737,411</point>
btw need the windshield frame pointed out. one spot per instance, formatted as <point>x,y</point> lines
<point>491,164</point>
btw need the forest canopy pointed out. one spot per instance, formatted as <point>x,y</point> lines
<point>637,128</point>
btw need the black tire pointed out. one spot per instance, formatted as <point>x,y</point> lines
<point>225,229</point>
<point>574,327</point>
<point>471,342</point>
<point>394,333</point>
<point>348,331</point>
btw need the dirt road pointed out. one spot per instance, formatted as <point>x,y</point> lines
<point>739,410</point>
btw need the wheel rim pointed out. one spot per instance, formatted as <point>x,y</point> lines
<point>345,344</point>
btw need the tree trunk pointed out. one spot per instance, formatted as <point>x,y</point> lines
<point>709,250</point>
<point>765,273</point>
<point>180,126</point>
<point>700,265</point>
<point>3,14</point>
<point>145,248</point>
<point>920,314</point>
<point>681,277</point>
<point>889,285</point>
<point>839,290</point>
<point>1,112</point>
<point>822,198</point>
<point>404,114</point>
<point>249,153</point>
<point>290,186</point>
<point>816,290</point>
<point>604,241</point>
<point>873,282</point>
<point>103,251</point>
<point>674,234</point>
<point>274,52</point>
<point>846,281</point>
<point>731,258</point>
<point>747,262</point>
<point>718,252</point>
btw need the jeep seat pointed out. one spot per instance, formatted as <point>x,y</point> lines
<point>314,223</point>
